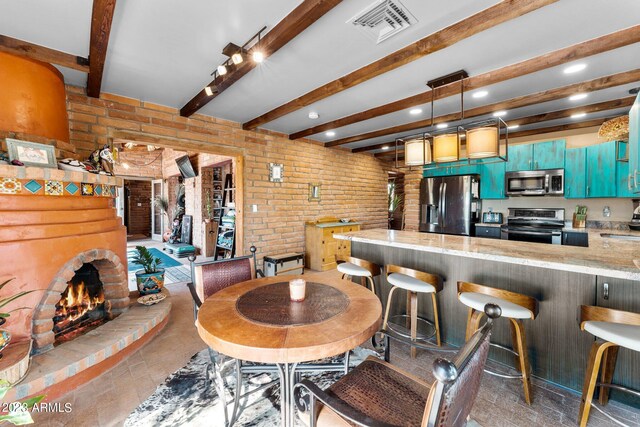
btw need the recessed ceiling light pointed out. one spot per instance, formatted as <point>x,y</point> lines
<point>313,115</point>
<point>513,127</point>
<point>415,111</point>
<point>578,97</point>
<point>480,94</point>
<point>499,113</point>
<point>386,147</point>
<point>578,115</point>
<point>330,133</point>
<point>442,125</point>
<point>574,68</point>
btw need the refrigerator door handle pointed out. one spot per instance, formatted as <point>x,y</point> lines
<point>443,200</point>
<point>425,208</point>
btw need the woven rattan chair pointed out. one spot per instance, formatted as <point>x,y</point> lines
<point>378,394</point>
<point>208,278</point>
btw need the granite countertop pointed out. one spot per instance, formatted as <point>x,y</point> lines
<point>604,256</point>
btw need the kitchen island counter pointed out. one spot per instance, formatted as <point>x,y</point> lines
<point>561,278</point>
<point>604,256</point>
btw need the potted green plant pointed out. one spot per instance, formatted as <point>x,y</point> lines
<point>5,336</point>
<point>16,413</point>
<point>162,203</point>
<point>151,279</point>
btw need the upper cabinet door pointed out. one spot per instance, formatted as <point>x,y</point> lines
<point>548,155</point>
<point>634,146</point>
<point>601,170</point>
<point>623,177</point>
<point>492,180</point>
<point>520,157</point>
<point>575,173</point>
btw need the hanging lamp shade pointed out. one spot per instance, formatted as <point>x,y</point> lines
<point>415,152</point>
<point>482,142</point>
<point>445,148</point>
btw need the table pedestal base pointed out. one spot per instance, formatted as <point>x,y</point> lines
<point>290,374</point>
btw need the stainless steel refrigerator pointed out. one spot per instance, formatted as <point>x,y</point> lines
<point>450,204</point>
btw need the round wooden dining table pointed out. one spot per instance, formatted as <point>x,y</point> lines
<point>257,321</point>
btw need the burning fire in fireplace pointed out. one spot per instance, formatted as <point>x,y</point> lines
<point>81,306</point>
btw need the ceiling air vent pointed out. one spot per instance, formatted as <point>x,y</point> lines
<point>383,19</point>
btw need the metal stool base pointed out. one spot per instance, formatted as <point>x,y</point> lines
<point>613,387</point>
<point>419,337</point>
<point>497,374</point>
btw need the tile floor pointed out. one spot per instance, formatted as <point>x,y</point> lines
<point>123,388</point>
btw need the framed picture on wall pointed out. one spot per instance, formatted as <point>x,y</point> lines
<point>276,171</point>
<point>31,153</point>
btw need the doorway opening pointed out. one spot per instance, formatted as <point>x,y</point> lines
<point>181,197</point>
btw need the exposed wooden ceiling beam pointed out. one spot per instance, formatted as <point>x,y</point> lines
<point>591,47</point>
<point>518,134</point>
<point>483,20</point>
<point>101,19</point>
<point>45,54</point>
<point>308,12</point>
<point>518,102</point>
<point>587,109</point>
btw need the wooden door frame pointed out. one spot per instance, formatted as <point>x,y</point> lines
<point>237,154</point>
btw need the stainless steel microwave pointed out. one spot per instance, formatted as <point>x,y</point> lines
<point>548,182</point>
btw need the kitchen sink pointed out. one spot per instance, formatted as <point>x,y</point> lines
<point>620,236</point>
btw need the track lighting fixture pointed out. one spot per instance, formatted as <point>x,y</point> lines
<point>237,58</point>
<point>258,56</point>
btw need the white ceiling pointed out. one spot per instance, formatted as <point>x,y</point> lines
<point>163,51</point>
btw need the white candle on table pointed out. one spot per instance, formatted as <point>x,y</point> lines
<point>297,289</point>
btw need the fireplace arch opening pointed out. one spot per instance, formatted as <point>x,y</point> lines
<point>88,290</point>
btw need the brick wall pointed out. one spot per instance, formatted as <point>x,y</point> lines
<point>412,198</point>
<point>147,164</point>
<point>353,185</point>
<point>139,216</point>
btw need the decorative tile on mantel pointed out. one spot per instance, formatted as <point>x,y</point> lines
<point>36,173</point>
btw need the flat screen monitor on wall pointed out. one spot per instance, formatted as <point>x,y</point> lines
<point>185,167</point>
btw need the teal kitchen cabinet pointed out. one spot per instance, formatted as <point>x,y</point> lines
<point>624,182</point>
<point>549,154</point>
<point>520,157</point>
<point>634,146</point>
<point>492,180</point>
<point>538,156</point>
<point>601,170</point>
<point>575,173</point>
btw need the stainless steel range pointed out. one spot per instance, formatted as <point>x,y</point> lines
<point>539,225</point>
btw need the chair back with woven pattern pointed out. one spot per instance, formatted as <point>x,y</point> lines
<point>213,276</point>
<point>458,381</point>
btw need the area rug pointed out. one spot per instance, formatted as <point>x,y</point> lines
<point>167,261</point>
<point>182,399</point>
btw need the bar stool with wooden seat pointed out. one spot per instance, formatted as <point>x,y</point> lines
<point>355,267</point>
<point>414,282</point>
<point>613,329</point>
<point>515,307</point>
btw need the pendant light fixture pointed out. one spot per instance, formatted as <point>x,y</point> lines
<point>417,150</point>
<point>442,144</point>
<point>482,142</point>
<point>446,143</point>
